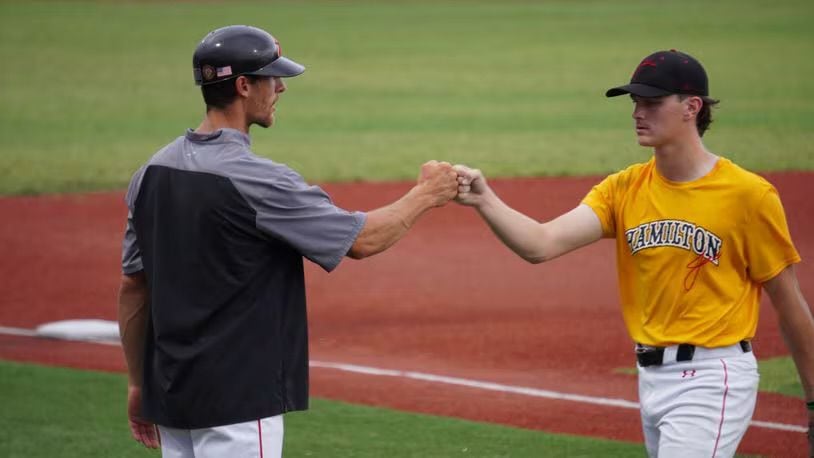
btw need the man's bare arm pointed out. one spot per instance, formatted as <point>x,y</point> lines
<point>533,241</point>
<point>134,313</point>
<point>436,186</point>
<point>796,324</point>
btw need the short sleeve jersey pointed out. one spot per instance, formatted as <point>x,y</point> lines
<point>692,256</point>
<point>220,234</point>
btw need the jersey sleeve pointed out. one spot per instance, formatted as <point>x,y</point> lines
<point>304,217</point>
<point>769,248</point>
<point>131,254</point>
<point>601,200</point>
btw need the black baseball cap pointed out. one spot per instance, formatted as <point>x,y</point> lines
<point>235,50</point>
<point>664,73</point>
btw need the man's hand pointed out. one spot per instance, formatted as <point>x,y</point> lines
<point>472,186</point>
<point>144,432</point>
<point>437,185</point>
<point>439,181</point>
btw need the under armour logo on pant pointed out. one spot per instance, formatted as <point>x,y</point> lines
<point>688,372</point>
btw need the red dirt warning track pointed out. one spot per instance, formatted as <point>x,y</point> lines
<point>449,300</point>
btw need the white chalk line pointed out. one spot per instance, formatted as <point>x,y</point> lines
<point>469,383</point>
<point>526,391</point>
<point>490,386</point>
<point>17,332</point>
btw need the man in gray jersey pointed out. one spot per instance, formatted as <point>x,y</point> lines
<point>212,300</point>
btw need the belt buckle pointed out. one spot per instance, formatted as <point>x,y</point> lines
<point>642,348</point>
<point>648,355</point>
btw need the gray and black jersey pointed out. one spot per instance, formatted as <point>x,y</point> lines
<point>220,235</point>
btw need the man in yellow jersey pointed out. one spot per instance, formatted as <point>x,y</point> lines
<point>697,239</point>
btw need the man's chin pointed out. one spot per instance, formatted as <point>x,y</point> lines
<point>645,140</point>
<point>264,123</point>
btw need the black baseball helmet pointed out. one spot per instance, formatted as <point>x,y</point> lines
<point>235,50</point>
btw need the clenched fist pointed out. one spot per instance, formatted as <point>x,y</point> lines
<point>471,186</point>
<point>439,181</point>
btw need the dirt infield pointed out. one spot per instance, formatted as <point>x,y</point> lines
<point>448,300</point>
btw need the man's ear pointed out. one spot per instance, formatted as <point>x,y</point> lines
<point>692,107</point>
<point>242,86</point>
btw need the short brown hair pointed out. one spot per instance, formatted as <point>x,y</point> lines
<point>704,118</point>
<point>219,95</point>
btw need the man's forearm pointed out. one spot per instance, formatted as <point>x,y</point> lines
<point>796,324</point>
<point>520,233</point>
<point>386,225</point>
<point>133,316</point>
<point>798,331</point>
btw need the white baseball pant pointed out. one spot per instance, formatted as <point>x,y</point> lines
<point>698,408</point>
<point>252,439</point>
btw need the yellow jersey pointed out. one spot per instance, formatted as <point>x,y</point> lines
<point>692,256</point>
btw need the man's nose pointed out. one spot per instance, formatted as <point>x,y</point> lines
<point>279,85</point>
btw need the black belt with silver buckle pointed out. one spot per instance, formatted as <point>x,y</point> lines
<point>654,356</point>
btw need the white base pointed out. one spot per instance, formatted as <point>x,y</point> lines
<point>86,330</point>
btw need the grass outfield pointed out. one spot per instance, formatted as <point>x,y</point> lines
<point>50,412</point>
<point>778,375</point>
<point>91,90</point>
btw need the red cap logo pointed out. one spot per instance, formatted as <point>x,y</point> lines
<point>645,63</point>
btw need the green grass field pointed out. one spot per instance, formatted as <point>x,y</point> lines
<point>56,412</point>
<point>75,413</point>
<point>91,90</point>
<point>778,375</point>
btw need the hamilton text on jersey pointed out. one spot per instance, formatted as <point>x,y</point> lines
<point>675,233</point>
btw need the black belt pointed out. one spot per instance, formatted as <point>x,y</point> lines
<point>654,356</point>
